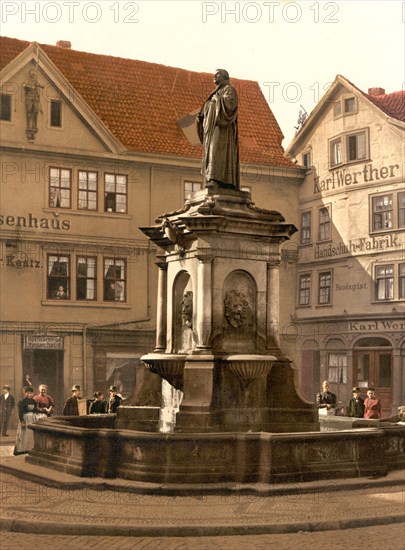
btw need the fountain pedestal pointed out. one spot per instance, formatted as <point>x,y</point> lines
<point>218,317</point>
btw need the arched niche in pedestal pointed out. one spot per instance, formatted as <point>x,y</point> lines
<point>183,313</point>
<point>239,299</point>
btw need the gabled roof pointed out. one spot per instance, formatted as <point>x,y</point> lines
<point>392,105</point>
<point>140,102</point>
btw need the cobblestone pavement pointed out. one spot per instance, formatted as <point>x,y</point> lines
<point>27,506</point>
<point>385,537</point>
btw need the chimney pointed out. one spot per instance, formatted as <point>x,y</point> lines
<point>66,44</point>
<point>376,91</point>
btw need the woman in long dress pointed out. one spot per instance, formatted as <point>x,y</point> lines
<point>28,414</point>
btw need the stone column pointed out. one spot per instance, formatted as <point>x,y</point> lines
<point>204,303</point>
<point>273,304</point>
<point>161,307</point>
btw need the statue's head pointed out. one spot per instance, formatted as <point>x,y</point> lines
<point>220,76</point>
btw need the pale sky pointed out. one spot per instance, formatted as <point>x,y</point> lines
<point>293,49</point>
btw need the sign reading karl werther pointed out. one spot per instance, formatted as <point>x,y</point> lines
<point>342,178</point>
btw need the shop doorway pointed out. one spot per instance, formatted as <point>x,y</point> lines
<point>372,367</point>
<point>46,367</point>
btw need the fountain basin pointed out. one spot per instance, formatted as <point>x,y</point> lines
<point>66,444</point>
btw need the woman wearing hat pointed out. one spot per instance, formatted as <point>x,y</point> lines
<point>115,400</point>
<point>356,405</point>
<point>71,407</point>
<point>27,412</point>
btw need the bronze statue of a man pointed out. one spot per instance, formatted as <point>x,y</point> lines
<point>218,132</point>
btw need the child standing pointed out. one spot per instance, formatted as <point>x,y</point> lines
<point>372,406</point>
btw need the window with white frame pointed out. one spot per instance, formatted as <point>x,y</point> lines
<point>382,212</point>
<point>60,186</point>
<point>87,190</point>
<point>114,280</point>
<point>304,291</point>
<point>348,148</point>
<point>324,230</point>
<point>306,227</point>
<point>58,277</point>
<point>336,152</point>
<point>191,187</point>
<point>115,193</point>
<point>325,288</point>
<point>86,280</point>
<point>401,280</point>
<point>384,282</point>
<point>337,368</point>
<point>356,146</point>
<point>401,209</point>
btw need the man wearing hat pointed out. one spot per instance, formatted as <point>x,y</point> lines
<point>71,407</point>
<point>115,400</point>
<point>7,403</point>
<point>356,405</point>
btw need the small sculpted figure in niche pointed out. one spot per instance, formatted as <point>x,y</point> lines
<point>187,309</point>
<point>187,321</point>
<point>217,127</point>
<point>236,308</point>
<point>32,102</point>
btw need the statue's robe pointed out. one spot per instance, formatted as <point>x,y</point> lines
<point>218,130</point>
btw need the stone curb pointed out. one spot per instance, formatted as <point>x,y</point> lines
<point>26,526</point>
<point>53,478</point>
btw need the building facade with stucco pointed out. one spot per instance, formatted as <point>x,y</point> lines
<point>94,147</point>
<point>348,325</point>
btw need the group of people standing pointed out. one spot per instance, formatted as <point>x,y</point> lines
<point>76,405</point>
<point>35,407</point>
<point>31,409</point>
<point>357,407</point>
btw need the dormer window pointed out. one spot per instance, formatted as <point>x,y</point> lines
<point>350,105</point>
<point>56,113</point>
<point>345,106</point>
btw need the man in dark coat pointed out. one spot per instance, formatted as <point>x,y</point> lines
<point>7,403</point>
<point>356,405</point>
<point>115,400</point>
<point>71,407</point>
<point>326,399</point>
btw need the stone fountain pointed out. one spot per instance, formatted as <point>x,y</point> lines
<point>241,418</point>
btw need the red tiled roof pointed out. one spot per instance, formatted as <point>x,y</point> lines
<point>391,104</point>
<point>141,102</point>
